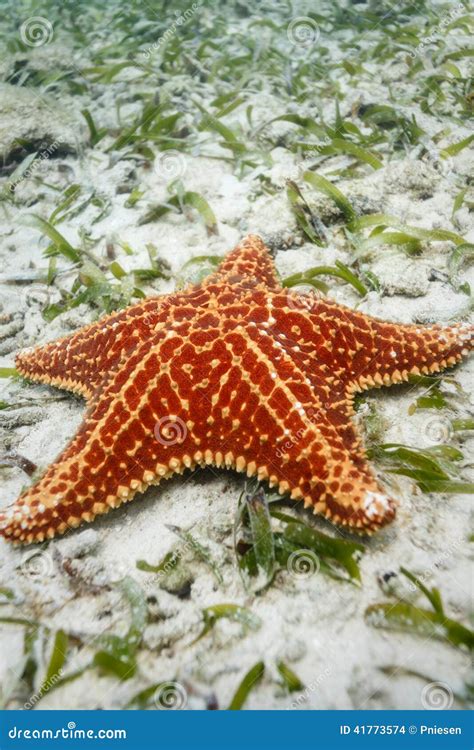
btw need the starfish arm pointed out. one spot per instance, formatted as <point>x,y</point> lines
<point>250,260</point>
<point>131,437</point>
<point>79,362</point>
<point>388,353</point>
<point>366,352</point>
<point>312,464</point>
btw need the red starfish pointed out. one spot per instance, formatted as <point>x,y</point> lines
<point>237,372</point>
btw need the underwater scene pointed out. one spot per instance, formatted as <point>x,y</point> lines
<point>236,416</point>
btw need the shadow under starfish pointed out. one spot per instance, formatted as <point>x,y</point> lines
<point>236,372</point>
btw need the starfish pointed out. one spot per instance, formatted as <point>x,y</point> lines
<point>237,372</point>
